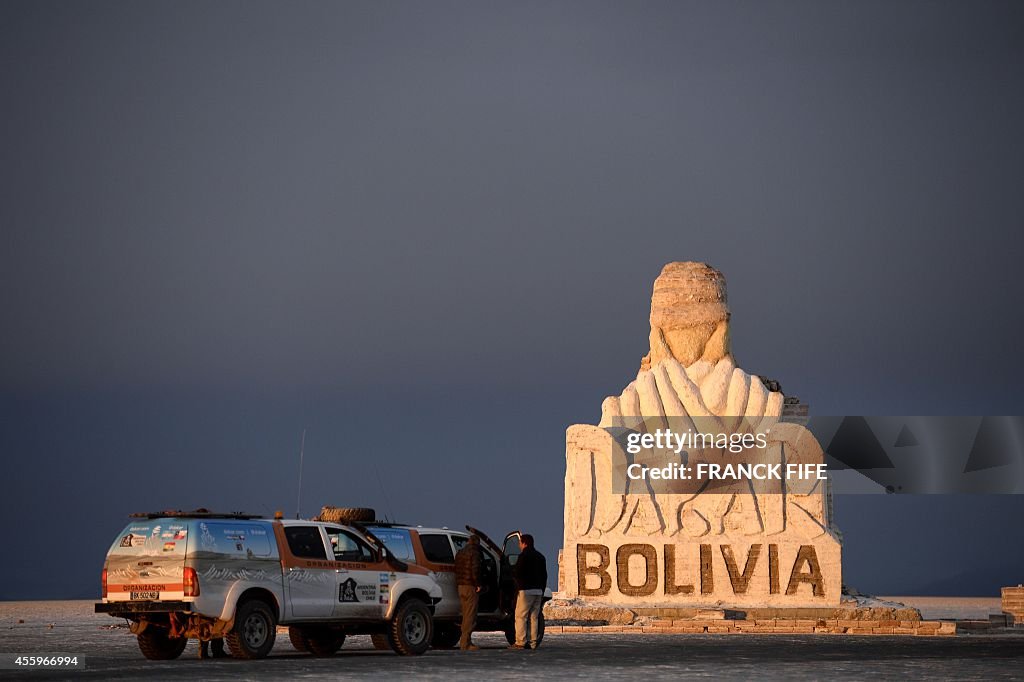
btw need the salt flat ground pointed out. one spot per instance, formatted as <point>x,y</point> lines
<point>112,653</point>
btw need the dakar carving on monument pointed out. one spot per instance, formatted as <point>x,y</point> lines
<point>741,543</point>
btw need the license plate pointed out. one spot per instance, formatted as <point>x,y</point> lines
<point>136,596</point>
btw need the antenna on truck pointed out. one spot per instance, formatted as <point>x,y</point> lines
<point>302,452</point>
<point>383,491</point>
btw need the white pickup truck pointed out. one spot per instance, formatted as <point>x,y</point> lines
<point>198,575</point>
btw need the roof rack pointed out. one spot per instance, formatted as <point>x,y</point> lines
<point>194,514</point>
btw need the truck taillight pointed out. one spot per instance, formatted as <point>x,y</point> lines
<point>191,582</point>
<point>103,582</point>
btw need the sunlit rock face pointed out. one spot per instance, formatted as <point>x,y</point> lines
<point>745,543</point>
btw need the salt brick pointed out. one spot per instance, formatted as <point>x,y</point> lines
<point>705,623</point>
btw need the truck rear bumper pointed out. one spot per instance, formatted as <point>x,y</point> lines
<point>119,608</point>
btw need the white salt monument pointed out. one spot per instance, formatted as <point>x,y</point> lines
<point>744,544</point>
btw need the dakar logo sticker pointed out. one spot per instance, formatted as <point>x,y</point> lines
<point>347,591</point>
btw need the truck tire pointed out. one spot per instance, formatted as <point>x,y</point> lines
<point>157,644</point>
<point>298,639</point>
<point>510,633</point>
<point>380,641</point>
<point>254,631</point>
<point>446,636</point>
<point>411,628</point>
<point>347,515</point>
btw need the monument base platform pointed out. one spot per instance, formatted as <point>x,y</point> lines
<point>854,616</point>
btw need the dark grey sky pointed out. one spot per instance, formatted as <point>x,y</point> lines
<point>428,231</point>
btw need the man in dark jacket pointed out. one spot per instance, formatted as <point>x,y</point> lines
<point>531,576</point>
<point>468,578</point>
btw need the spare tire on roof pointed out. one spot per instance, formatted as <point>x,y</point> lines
<point>346,514</point>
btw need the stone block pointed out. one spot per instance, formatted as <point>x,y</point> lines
<point>856,623</point>
<point>711,614</point>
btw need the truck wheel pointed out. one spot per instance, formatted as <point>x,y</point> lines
<point>298,639</point>
<point>510,633</point>
<point>254,631</point>
<point>411,628</point>
<point>380,641</point>
<point>324,642</point>
<point>446,636</point>
<point>157,645</point>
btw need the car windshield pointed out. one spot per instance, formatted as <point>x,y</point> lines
<point>397,541</point>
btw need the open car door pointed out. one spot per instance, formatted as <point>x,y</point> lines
<point>492,597</point>
<point>484,539</point>
<point>511,550</point>
<point>500,592</point>
<point>509,556</point>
